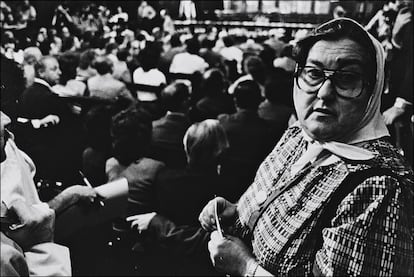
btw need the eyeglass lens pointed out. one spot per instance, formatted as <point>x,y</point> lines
<point>347,84</point>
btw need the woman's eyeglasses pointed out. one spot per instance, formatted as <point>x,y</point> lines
<point>348,84</point>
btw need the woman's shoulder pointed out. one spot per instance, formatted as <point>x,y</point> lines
<point>388,162</point>
<point>387,155</point>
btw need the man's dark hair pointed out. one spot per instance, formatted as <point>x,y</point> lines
<point>149,56</point>
<point>109,47</point>
<point>174,96</point>
<point>279,87</point>
<point>175,40</point>
<point>68,62</point>
<point>207,43</point>
<point>193,45</point>
<point>131,132</point>
<point>247,95</point>
<point>103,65</point>
<point>213,82</point>
<point>86,58</point>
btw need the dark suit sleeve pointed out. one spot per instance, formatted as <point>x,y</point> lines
<point>184,240</point>
<point>402,66</point>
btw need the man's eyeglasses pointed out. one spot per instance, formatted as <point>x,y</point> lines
<point>348,84</point>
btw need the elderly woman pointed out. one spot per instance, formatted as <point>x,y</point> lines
<point>334,197</point>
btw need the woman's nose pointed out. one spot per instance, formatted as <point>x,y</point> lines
<point>326,91</point>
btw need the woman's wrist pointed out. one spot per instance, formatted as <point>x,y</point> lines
<point>251,268</point>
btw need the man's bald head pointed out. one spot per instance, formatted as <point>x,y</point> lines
<point>47,68</point>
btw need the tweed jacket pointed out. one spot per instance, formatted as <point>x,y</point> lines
<point>368,233</point>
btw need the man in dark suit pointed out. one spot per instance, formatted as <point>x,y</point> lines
<point>168,132</point>
<point>55,146</point>
<point>249,137</point>
<point>398,103</point>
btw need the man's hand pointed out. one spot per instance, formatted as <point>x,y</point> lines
<point>36,224</point>
<point>141,221</point>
<point>229,254</point>
<point>403,18</point>
<point>225,210</point>
<point>51,119</point>
<point>392,114</point>
<point>71,195</point>
<point>81,193</point>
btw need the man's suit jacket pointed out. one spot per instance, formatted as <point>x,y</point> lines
<point>167,139</point>
<point>250,141</point>
<point>107,87</point>
<point>38,101</point>
<point>182,193</point>
<point>56,149</point>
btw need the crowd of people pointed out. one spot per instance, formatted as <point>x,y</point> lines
<point>268,155</point>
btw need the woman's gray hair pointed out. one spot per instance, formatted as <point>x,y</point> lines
<point>204,142</point>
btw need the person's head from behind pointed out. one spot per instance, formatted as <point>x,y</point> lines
<point>149,56</point>
<point>86,59</point>
<point>175,40</point>
<point>287,51</point>
<point>204,142</point>
<point>336,76</point>
<point>111,48</point>
<point>97,126</point>
<point>278,88</point>
<point>267,55</point>
<point>254,66</point>
<point>123,54</point>
<point>131,131</point>
<point>68,63</point>
<point>207,43</point>
<point>103,65</point>
<point>247,95</point>
<point>47,69</point>
<point>228,41</point>
<point>213,82</point>
<point>193,45</point>
<point>175,97</point>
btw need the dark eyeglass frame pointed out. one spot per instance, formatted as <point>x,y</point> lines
<point>329,74</point>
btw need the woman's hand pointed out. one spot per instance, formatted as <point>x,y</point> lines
<point>229,254</point>
<point>141,221</point>
<point>225,210</point>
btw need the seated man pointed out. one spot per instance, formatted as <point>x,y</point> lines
<point>168,132</point>
<point>27,247</point>
<point>17,186</point>
<point>17,171</point>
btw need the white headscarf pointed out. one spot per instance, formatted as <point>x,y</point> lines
<point>371,126</point>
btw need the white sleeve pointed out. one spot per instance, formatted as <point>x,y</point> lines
<point>174,67</point>
<point>48,259</point>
